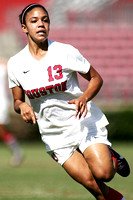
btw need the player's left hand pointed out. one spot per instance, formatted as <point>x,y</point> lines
<point>27,113</point>
<point>81,106</point>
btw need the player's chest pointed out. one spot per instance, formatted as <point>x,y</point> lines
<point>42,74</point>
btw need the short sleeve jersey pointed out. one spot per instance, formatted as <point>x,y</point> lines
<point>49,84</point>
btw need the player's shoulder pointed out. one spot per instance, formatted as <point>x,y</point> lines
<point>62,46</point>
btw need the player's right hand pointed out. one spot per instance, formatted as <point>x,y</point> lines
<point>27,113</point>
<point>80,107</point>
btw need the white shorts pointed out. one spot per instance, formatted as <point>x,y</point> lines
<point>62,154</point>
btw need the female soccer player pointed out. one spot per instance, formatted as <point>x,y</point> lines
<point>71,126</point>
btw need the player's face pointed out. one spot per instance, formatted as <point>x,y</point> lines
<point>37,25</point>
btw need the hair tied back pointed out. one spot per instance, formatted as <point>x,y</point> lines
<point>26,9</point>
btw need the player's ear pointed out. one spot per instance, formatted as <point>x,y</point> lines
<point>24,28</point>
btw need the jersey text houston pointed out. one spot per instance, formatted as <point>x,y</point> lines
<point>43,91</point>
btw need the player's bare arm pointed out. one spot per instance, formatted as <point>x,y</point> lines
<point>20,106</point>
<point>94,85</point>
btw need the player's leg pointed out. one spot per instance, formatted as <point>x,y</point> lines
<point>103,168</point>
<point>104,155</point>
<point>9,139</point>
<point>100,162</point>
<point>77,167</point>
<point>103,161</point>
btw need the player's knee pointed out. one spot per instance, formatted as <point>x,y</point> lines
<point>104,174</point>
<point>88,182</point>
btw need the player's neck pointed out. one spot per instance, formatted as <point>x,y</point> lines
<point>38,51</point>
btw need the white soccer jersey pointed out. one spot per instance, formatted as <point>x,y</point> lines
<point>49,84</point>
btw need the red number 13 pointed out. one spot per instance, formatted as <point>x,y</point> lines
<point>58,75</point>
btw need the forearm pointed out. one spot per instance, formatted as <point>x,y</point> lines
<point>94,85</point>
<point>93,88</point>
<point>21,107</point>
<point>19,98</point>
<point>17,104</point>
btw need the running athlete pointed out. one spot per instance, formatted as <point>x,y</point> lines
<point>5,135</point>
<point>71,125</point>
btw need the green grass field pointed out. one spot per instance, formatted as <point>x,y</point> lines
<point>41,178</point>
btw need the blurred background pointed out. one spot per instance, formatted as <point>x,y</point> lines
<point>102,30</point>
